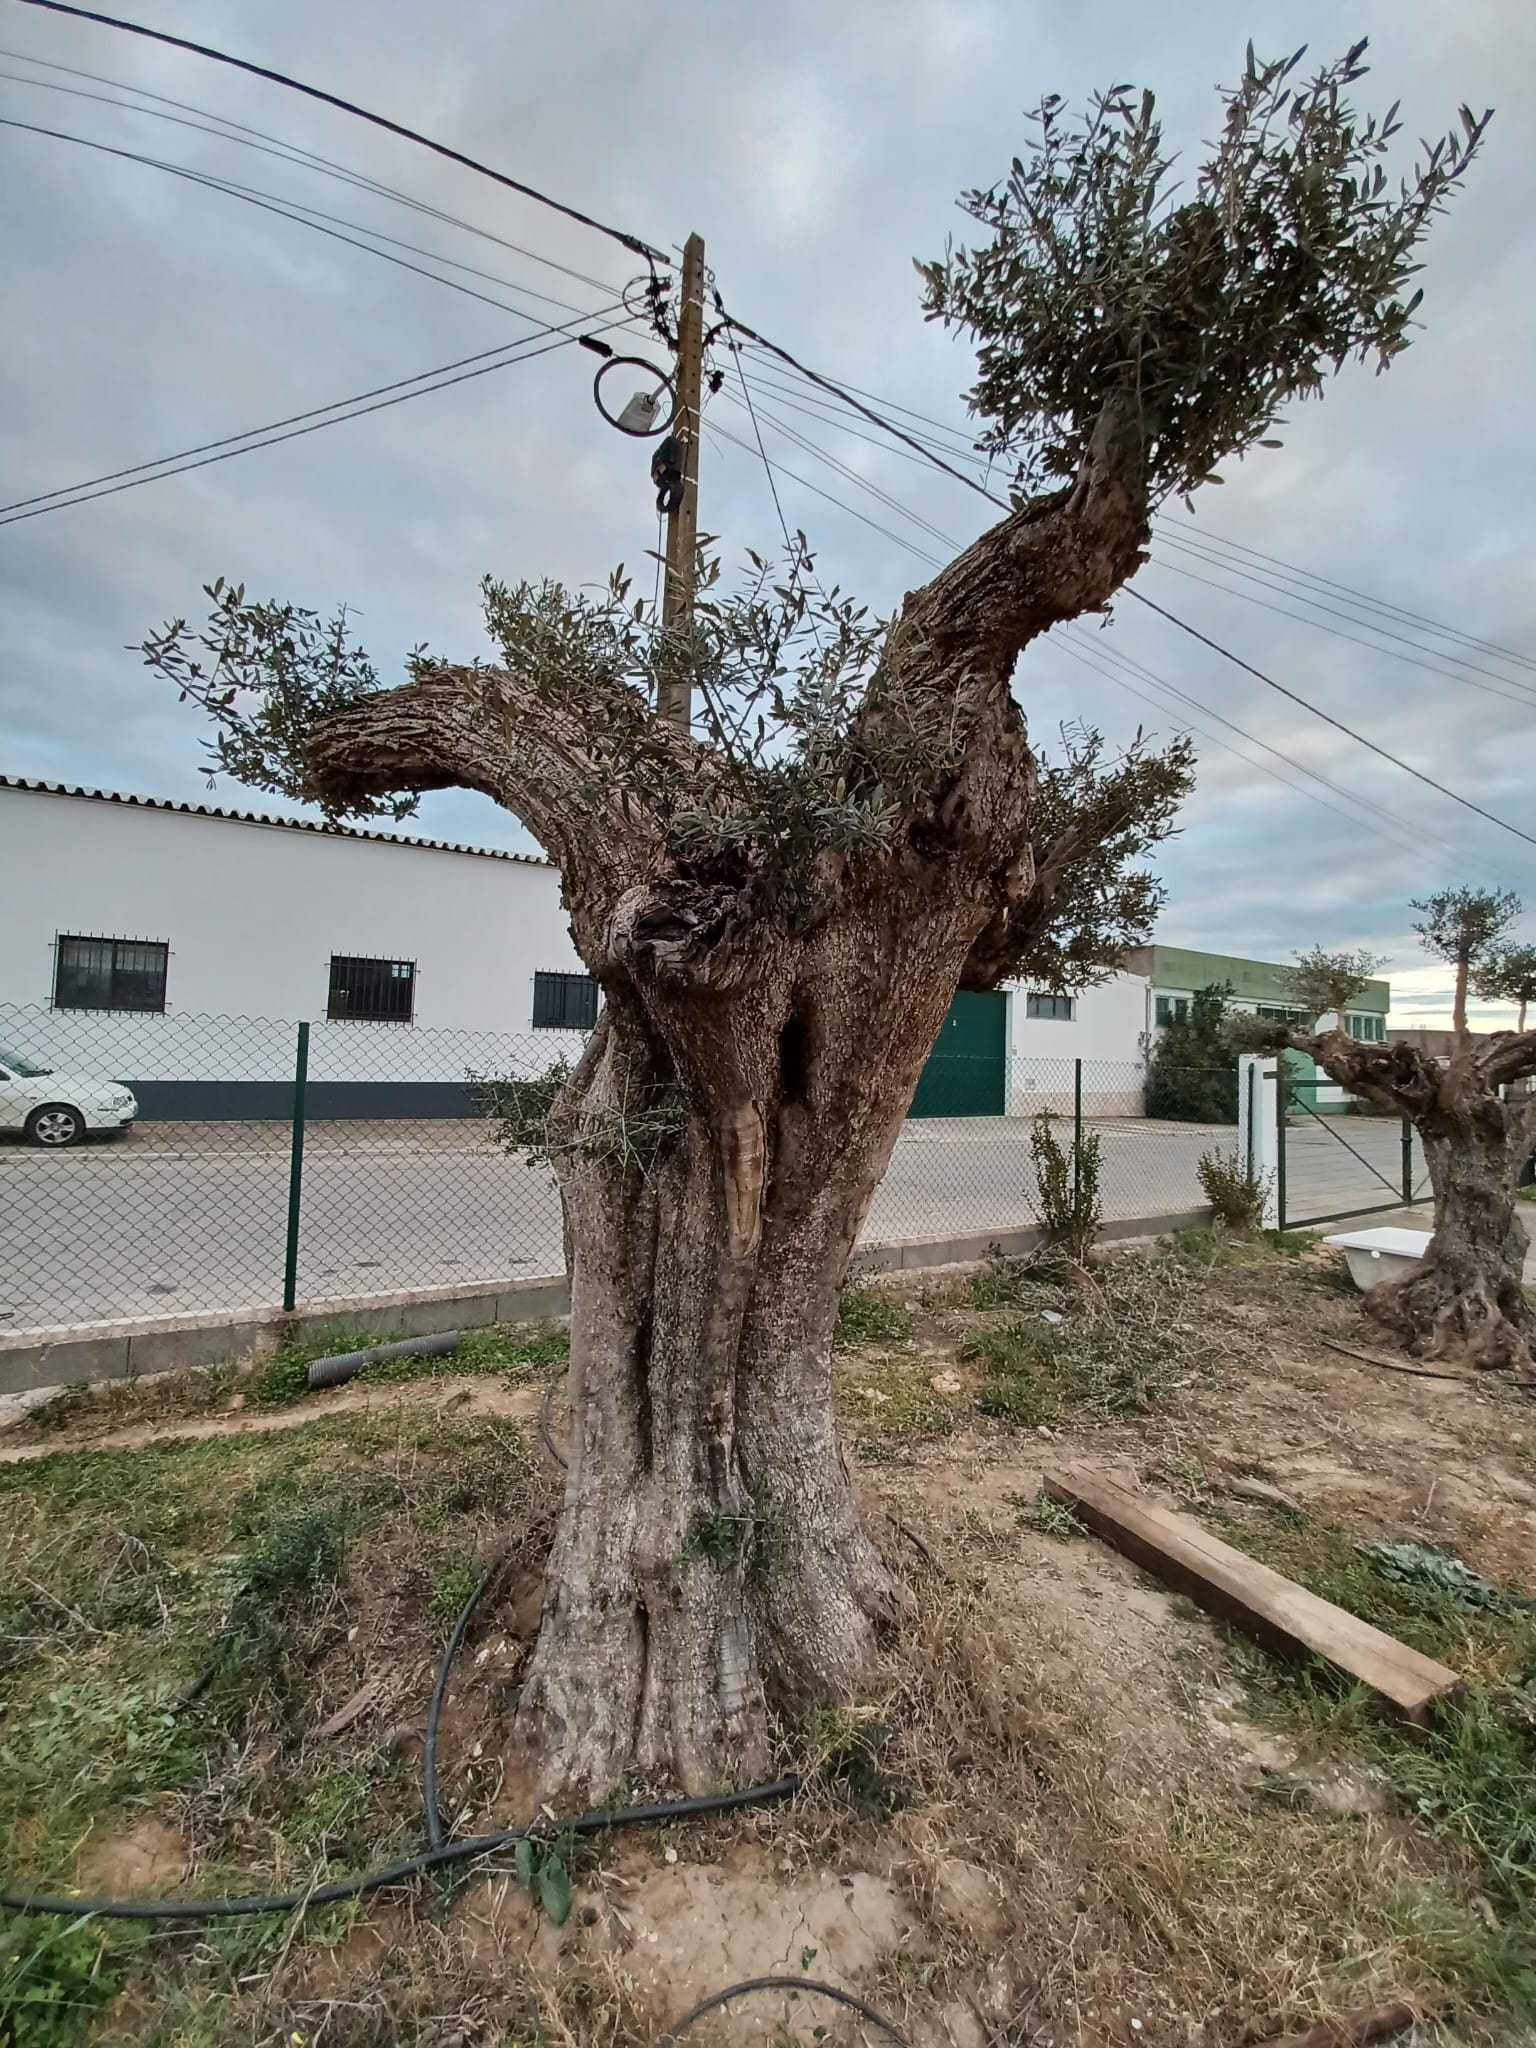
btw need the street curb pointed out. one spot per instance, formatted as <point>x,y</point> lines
<point>76,1355</point>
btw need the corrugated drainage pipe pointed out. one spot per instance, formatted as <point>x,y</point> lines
<point>346,1365</point>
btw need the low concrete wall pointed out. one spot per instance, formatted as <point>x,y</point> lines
<point>130,1349</point>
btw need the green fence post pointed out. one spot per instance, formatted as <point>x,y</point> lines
<point>1407,1160</point>
<point>1282,1092</point>
<point>1077,1130</point>
<point>296,1167</point>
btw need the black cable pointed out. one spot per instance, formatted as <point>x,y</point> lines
<point>1215,645</point>
<point>464,1851</point>
<point>285,152</point>
<point>1328,718</point>
<point>805,483</point>
<point>789,547</point>
<point>345,106</point>
<point>267,203</point>
<point>716,1999</point>
<point>225,440</point>
<point>296,433</point>
<point>546,1434</point>
<point>1288,585</point>
<point>431,1811</point>
<point>1514,694</point>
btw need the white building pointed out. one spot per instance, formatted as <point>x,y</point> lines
<point>177,947</point>
<point>181,944</point>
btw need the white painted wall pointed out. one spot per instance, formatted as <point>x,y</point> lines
<point>1104,1032</point>
<point>252,914</point>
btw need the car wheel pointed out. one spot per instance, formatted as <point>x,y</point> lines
<point>55,1125</point>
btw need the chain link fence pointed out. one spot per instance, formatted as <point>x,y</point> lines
<point>266,1162</point>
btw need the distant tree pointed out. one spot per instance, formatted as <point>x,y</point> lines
<point>780,903</point>
<point>1463,926</point>
<point>1318,976</point>
<point>1466,1297</point>
<point>1192,1069</point>
<point>1507,975</point>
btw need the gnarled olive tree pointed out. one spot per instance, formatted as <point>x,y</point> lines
<point>780,903</point>
<point>1467,1297</point>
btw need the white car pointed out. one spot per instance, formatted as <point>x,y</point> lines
<point>58,1109</point>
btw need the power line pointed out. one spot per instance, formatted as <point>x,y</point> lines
<point>805,483</point>
<point>1207,538</point>
<point>1286,587</point>
<point>1433,668</point>
<point>1150,676</point>
<point>1328,718</point>
<point>345,106</point>
<point>175,466</point>
<point>267,203</point>
<point>1215,645</point>
<point>1363,597</point>
<point>789,547</point>
<point>258,139</point>
<point>1299,789</point>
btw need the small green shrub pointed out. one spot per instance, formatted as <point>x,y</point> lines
<point>1069,1207</point>
<point>867,1315</point>
<point>1236,1193</point>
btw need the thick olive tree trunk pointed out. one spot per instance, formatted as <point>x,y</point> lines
<point>1468,1298</point>
<point>709,1555</point>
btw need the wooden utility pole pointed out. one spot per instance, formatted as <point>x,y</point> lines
<point>675,697</point>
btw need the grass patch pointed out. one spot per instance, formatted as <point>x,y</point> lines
<point>1047,1517</point>
<point>1123,1345</point>
<point>868,1315</point>
<point>1470,1777</point>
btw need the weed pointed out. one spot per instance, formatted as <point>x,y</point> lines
<point>1047,1517</point>
<point>867,1315</point>
<point>54,1975</point>
<point>715,1539</point>
<point>452,1583</point>
<point>1235,1192</point>
<point>1006,1282</point>
<point>1068,1201</point>
<point>1128,1345</point>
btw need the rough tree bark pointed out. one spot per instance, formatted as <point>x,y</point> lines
<point>722,1137</point>
<point>1467,1299</point>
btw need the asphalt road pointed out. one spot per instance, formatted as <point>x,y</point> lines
<point>193,1219</point>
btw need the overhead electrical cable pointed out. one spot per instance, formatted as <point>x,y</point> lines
<point>361,113</point>
<point>220,127</point>
<point>172,466</point>
<point>266,203</point>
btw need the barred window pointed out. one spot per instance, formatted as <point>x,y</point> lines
<point>371,991</point>
<point>1058,1007</point>
<point>564,1002</point>
<point>110,974</point>
<point>1171,1010</point>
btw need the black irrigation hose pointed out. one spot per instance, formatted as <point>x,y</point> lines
<point>395,1873</point>
<point>716,1999</point>
<point>440,1852</point>
<point>546,1434</point>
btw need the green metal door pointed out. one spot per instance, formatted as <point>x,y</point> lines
<point>967,1071</point>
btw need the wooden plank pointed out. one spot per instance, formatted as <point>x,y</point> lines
<point>1265,1602</point>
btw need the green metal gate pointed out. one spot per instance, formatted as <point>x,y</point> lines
<point>1311,1175</point>
<point>967,1071</point>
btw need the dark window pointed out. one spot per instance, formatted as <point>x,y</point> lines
<point>110,974</point>
<point>371,991</point>
<point>1058,1007</point>
<point>564,1002</point>
<point>1282,1013</point>
<point>1172,1010</point>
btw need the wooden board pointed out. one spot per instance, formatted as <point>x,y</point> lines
<point>1228,1582</point>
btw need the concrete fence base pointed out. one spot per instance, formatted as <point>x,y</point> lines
<point>138,1346</point>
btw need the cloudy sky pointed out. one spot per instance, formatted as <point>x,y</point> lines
<point>818,148</point>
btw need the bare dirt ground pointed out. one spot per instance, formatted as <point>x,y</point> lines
<point>1073,1812</point>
